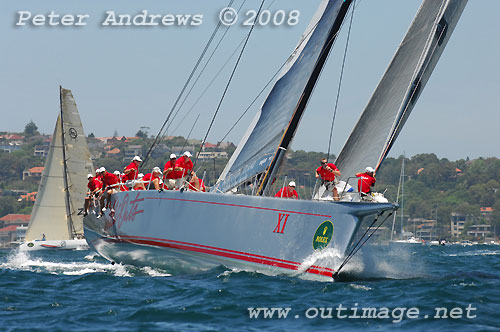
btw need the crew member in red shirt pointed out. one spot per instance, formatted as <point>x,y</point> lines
<point>169,172</point>
<point>110,184</point>
<point>184,165</point>
<point>153,177</point>
<point>196,184</point>
<point>122,178</point>
<point>139,185</point>
<point>95,187</point>
<point>132,169</point>
<point>328,171</point>
<point>288,191</point>
<point>366,180</point>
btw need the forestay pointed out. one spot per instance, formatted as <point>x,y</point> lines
<point>273,127</point>
<point>400,87</point>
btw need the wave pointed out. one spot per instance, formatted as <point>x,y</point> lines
<point>23,261</point>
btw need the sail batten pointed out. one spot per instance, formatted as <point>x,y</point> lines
<point>272,129</point>
<point>394,98</point>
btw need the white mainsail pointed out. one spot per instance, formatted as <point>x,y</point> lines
<point>63,185</point>
<point>396,94</point>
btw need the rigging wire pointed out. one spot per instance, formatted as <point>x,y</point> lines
<point>340,82</point>
<point>182,90</point>
<point>189,135</point>
<point>215,77</point>
<point>361,242</point>
<point>199,75</point>
<point>229,82</point>
<point>209,84</point>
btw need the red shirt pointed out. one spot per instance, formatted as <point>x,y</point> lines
<point>123,178</point>
<point>94,184</point>
<point>202,185</point>
<point>133,173</point>
<point>148,178</point>
<point>186,164</point>
<point>326,174</point>
<point>365,182</point>
<point>109,179</point>
<point>287,192</point>
<point>173,174</point>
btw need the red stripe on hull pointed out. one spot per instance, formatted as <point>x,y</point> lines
<point>224,250</point>
<point>227,253</point>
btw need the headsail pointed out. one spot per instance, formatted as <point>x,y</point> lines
<point>400,87</point>
<point>262,148</point>
<point>55,211</point>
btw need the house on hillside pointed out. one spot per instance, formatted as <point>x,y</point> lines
<point>9,148</point>
<point>33,172</point>
<point>41,150</point>
<point>7,236</point>
<point>29,197</point>
<point>14,228</point>
<point>113,152</point>
<point>131,151</point>
<point>15,219</point>
<point>457,224</point>
<point>487,213</point>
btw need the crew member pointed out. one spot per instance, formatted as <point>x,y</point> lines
<point>328,171</point>
<point>138,184</point>
<point>288,191</point>
<point>132,169</point>
<point>122,177</point>
<point>195,183</point>
<point>169,172</point>
<point>110,184</point>
<point>184,165</point>
<point>366,180</point>
<point>95,186</point>
<point>153,177</point>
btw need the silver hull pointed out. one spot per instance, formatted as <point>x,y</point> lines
<point>190,231</point>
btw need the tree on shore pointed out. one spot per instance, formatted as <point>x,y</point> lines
<point>31,129</point>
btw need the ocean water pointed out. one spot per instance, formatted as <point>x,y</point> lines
<point>411,288</point>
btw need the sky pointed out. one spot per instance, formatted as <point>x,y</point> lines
<point>127,77</point>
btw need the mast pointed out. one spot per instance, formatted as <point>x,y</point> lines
<point>401,174</point>
<point>304,98</point>
<point>65,169</point>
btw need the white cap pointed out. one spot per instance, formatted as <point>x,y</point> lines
<point>187,154</point>
<point>140,175</point>
<point>90,176</point>
<point>369,169</point>
<point>102,169</point>
<point>137,158</point>
<point>116,173</point>
<point>292,184</point>
<point>173,156</point>
<point>157,170</point>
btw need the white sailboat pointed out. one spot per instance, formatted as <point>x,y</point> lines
<point>401,187</point>
<point>55,222</point>
<point>183,230</point>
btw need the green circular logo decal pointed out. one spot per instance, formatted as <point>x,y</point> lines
<point>31,244</point>
<point>323,235</point>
